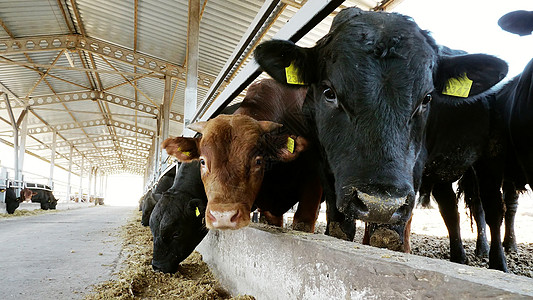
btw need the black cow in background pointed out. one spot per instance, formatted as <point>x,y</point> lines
<point>177,220</point>
<point>511,160</point>
<point>457,135</point>
<point>371,80</point>
<point>153,195</point>
<point>12,203</point>
<point>45,198</point>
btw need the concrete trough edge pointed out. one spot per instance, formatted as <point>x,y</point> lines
<point>273,263</point>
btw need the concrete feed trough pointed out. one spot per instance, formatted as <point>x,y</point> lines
<point>274,263</point>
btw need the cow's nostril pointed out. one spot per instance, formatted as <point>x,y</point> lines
<point>210,216</point>
<point>235,217</point>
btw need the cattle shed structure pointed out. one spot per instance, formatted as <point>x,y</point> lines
<point>93,87</point>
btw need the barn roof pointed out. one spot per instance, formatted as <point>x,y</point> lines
<point>94,72</point>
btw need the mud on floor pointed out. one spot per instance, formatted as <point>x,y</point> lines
<point>137,280</point>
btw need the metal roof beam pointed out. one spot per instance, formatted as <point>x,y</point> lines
<point>91,123</point>
<point>311,13</point>
<point>74,42</point>
<point>92,96</point>
<point>248,37</point>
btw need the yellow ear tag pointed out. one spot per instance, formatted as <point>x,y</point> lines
<point>291,72</point>
<point>197,211</point>
<point>290,145</point>
<point>186,153</point>
<point>458,87</point>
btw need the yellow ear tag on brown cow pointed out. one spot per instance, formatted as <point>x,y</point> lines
<point>290,145</point>
<point>291,72</point>
<point>458,87</point>
<point>186,153</point>
<point>197,211</point>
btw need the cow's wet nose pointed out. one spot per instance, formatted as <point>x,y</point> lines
<point>224,219</point>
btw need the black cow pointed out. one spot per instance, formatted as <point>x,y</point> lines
<point>12,203</point>
<point>511,159</point>
<point>177,221</point>
<point>153,195</point>
<point>371,79</point>
<point>45,198</point>
<point>518,22</point>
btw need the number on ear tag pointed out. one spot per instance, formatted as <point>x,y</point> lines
<point>458,87</point>
<point>291,72</point>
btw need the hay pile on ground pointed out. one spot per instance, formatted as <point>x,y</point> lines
<point>24,212</point>
<point>137,280</point>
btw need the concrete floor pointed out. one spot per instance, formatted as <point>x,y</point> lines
<point>60,255</point>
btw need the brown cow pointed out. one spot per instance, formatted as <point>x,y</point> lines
<point>26,194</point>
<point>248,158</point>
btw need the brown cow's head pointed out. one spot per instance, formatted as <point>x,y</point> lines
<point>233,152</point>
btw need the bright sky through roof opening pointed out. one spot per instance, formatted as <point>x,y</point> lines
<point>472,25</point>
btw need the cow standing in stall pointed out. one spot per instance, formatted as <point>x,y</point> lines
<point>511,161</point>
<point>153,195</point>
<point>371,80</point>
<point>256,156</point>
<point>12,203</point>
<point>501,157</point>
<point>177,220</point>
<point>45,198</point>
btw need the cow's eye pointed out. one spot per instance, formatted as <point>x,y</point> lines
<point>176,235</point>
<point>330,95</point>
<point>427,99</point>
<point>258,161</point>
<point>202,161</point>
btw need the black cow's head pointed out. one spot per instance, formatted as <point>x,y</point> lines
<point>177,221</point>
<point>371,79</point>
<point>149,202</point>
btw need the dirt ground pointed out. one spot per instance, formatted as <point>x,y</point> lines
<point>137,280</point>
<point>429,236</point>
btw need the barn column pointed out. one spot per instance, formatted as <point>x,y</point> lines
<point>15,140</point>
<point>69,188</point>
<point>90,182</point>
<point>191,90</point>
<point>165,116</point>
<point>22,123</point>
<point>157,149</point>
<point>80,197</point>
<point>165,109</point>
<point>52,160</point>
<point>95,174</point>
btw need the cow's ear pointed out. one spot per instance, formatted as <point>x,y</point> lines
<point>185,149</point>
<point>196,207</point>
<point>286,62</point>
<point>268,126</point>
<point>294,146</point>
<point>468,75</point>
<point>197,126</point>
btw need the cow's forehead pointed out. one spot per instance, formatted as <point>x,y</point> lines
<point>230,135</point>
<point>377,32</point>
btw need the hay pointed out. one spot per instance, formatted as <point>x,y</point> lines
<point>137,280</point>
<point>25,212</point>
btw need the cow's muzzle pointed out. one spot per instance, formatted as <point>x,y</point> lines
<point>378,209</point>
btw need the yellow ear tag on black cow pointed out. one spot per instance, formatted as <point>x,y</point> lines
<point>197,211</point>
<point>458,87</point>
<point>290,145</point>
<point>291,72</point>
